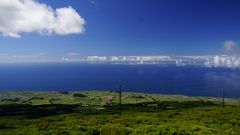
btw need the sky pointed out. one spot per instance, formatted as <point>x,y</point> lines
<point>55,28</point>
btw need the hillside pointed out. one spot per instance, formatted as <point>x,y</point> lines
<point>98,112</point>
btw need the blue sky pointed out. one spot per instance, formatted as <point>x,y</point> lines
<point>137,27</point>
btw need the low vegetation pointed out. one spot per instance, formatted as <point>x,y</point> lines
<point>98,113</point>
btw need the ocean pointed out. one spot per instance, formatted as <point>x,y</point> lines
<point>164,79</point>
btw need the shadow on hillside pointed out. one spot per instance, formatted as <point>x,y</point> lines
<point>37,111</point>
<point>166,105</point>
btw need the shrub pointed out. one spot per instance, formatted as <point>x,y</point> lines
<point>53,99</point>
<point>63,92</point>
<point>79,95</point>
<point>115,129</point>
<point>138,96</point>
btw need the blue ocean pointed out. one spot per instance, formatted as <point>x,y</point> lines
<point>187,80</point>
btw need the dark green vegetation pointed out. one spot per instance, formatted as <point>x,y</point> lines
<point>97,112</point>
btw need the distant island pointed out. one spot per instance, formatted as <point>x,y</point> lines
<point>102,112</point>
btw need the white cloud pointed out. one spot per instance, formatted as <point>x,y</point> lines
<point>24,16</point>
<point>224,61</point>
<point>9,58</point>
<point>229,46</point>
<point>93,2</point>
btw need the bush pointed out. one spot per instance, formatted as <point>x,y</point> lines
<point>79,95</point>
<point>37,98</point>
<point>115,129</point>
<point>138,96</point>
<point>53,99</point>
<point>12,100</point>
<point>63,92</point>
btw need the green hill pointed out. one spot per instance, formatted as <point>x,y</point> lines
<point>99,112</point>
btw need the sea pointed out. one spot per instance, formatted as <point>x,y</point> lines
<point>163,79</point>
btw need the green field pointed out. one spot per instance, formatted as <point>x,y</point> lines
<point>98,112</point>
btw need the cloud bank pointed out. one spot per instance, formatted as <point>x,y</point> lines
<point>224,61</point>
<point>24,16</point>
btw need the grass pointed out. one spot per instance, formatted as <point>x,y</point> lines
<point>97,113</point>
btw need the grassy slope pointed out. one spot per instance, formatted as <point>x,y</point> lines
<point>99,98</point>
<point>140,114</point>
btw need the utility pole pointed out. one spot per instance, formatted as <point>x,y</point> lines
<point>120,98</point>
<point>223,96</point>
<point>120,95</point>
